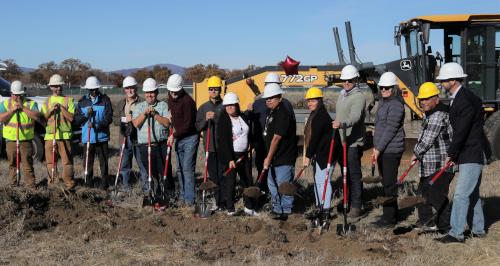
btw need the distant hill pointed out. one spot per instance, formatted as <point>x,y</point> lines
<point>27,69</point>
<point>174,68</point>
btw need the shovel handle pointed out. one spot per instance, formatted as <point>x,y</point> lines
<point>207,145</point>
<point>373,165</point>
<point>329,165</point>
<point>120,160</point>
<point>402,177</point>
<point>230,169</point>
<point>440,173</point>
<point>344,168</point>
<point>167,157</point>
<point>299,174</point>
<point>261,176</point>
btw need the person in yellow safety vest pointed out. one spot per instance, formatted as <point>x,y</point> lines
<point>18,115</point>
<point>58,112</point>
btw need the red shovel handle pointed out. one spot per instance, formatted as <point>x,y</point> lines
<point>440,173</point>
<point>402,177</point>
<point>329,165</point>
<point>344,168</point>
<point>299,174</point>
<point>229,170</point>
<point>207,144</point>
<point>167,157</point>
<point>261,176</point>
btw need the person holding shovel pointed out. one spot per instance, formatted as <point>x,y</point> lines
<point>123,118</point>
<point>58,111</point>
<point>430,150</point>
<point>151,119</point>
<point>317,137</point>
<point>233,141</point>
<point>94,113</point>
<point>389,144</point>
<point>350,118</point>
<point>280,137</point>
<point>18,115</point>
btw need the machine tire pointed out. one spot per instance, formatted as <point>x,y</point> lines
<point>38,149</point>
<point>492,130</point>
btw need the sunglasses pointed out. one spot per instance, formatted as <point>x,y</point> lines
<point>444,80</point>
<point>214,89</point>
<point>349,81</point>
<point>385,88</point>
<point>272,98</point>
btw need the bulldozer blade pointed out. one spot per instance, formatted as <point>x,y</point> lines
<point>287,189</point>
<point>252,192</point>
<point>409,202</point>
<point>345,229</point>
<point>371,179</point>
<point>207,185</point>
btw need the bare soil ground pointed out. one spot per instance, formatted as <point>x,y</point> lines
<point>51,227</point>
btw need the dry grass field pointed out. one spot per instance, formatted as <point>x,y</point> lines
<point>51,227</point>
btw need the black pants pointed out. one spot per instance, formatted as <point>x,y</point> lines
<point>229,184</point>
<point>158,153</point>
<point>102,151</point>
<point>436,196</point>
<point>355,186</point>
<point>260,155</point>
<point>215,171</point>
<point>388,164</point>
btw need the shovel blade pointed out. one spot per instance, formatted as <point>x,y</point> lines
<point>252,192</point>
<point>208,185</point>
<point>371,179</point>
<point>287,189</point>
<point>410,202</point>
<point>345,229</point>
<point>202,211</point>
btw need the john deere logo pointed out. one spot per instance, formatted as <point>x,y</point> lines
<point>405,65</point>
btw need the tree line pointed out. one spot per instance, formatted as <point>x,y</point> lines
<point>74,71</point>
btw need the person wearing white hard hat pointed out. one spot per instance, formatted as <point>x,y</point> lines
<point>183,110</point>
<point>19,113</point>
<point>350,119</point>
<point>233,142</point>
<point>469,149</point>
<point>58,111</point>
<point>154,114</point>
<point>389,144</point>
<point>280,138</point>
<point>207,116</point>
<point>94,114</point>
<point>122,117</point>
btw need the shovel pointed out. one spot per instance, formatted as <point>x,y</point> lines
<point>114,193</point>
<point>165,169</point>
<point>325,225</point>
<point>18,173</point>
<point>379,201</point>
<point>440,173</point>
<point>254,191</point>
<point>372,179</point>
<point>344,229</point>
<point>288,188</point>
<point>230,169</point>
<point>201,210</point>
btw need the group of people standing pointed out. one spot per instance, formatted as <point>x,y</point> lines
<point>266,131</point>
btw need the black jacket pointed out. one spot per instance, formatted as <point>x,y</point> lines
<point>469,141</point>
<point>321,135</point>
<point>224,137</point>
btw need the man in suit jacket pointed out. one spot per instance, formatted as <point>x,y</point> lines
<point>468,149</point>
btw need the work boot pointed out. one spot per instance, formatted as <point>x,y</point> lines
<point>355,213</point>
<point>104,184</point>
<point>278,216</point>
<point>383,224</point>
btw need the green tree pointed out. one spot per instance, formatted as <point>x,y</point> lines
<point>42,74</point>
<point>195,73</point>
<point>161,74</point>
<point>13,71</point>
<point>74,71</point>
<point>142,74</point>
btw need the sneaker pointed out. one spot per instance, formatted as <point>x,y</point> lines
<point>469,234</point>
<point>447,239</point>
<point>231,213</point>
<point>250,212</point>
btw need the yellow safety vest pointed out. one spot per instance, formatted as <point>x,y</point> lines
<point>63,130</point>
<point>26,125</point>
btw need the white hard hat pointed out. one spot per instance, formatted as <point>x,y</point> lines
<point>16,87</point>
<point>349,72</point>
<point>272,78</point>
<point>129,81</point>
<point>149,85</point>
<point>56,80</point>
<point>92,83</point>
<point>388,79</point>
<point>451,70</point>
<point>230,98</point>
<point>174,83</point>
<point>272,89</point>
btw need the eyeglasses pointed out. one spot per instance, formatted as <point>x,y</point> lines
<point>385,88</point>
<point>214,89</point>
<point>349,81</point>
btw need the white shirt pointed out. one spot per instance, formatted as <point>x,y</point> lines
<point>240,134</point>
<point>454,94</point>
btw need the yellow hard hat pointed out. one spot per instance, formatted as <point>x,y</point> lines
<point>314,92</point>
<point>214,82</point>
<point>427,90</point>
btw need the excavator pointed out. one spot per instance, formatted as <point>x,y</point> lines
<point>472,40</point>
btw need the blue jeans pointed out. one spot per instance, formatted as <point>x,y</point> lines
<point>276,176</point>
<point>128,153</point>
<point>467,192</point>
<point>186,149</point>
<point>319,177</point>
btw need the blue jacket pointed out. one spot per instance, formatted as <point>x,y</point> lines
<point>101,118</point>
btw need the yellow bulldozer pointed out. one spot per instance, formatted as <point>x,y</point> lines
<point>470,40</point>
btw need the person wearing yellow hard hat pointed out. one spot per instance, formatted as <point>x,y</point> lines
<point>58,111</point>
<point>317,137</point>
<point>389,145</point>
<point>208,116</point>
<point>18,115</point>
<point>430,151</point>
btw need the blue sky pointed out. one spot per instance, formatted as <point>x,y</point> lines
<point>111,35</point>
